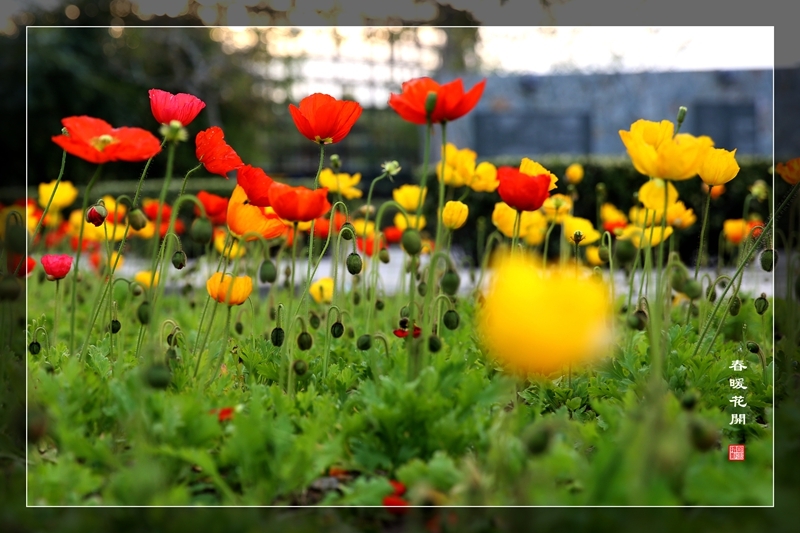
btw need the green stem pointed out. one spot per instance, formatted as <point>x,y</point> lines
<point>186,178</point>
<point>547,242</point>
<point>162,198</point>
<point>49,202</point>
<point>224,348</point>
<point>515,233</point>
<point>78,259</point>
<point>55,316</point>
<point>703,233</point>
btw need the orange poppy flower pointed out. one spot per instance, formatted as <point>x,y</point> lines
<point>521,191</point>
<point>324,119</point>
<point>789,171</point>
<point>298,204</point>
<point>219,287</point>
<point>255,183</point>
<point>214,152</point>
<point>451,101</point>
<point>216,207</point>
<point>95,141</point>
<point>242,218</point>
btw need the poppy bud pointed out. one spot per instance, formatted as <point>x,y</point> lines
<point>136,289</point>
<point>379,305</point>
<point>711,293</point>
<point>383,255</point>
<point>238,327</point>
<point>143,312</point>
<point>9,288</point>
<point>348,231</point>
<point>403,323</point>
<point>411,241</point>
<point>577,237</point>
<point>179,259</point>
<point>16,238</point>
<point>287,271</point>
<point>391,167</point>
<point>536,438</point>
<point>356,297</point>
<point>364,342</point>
<point>314,320</point>
<point>689,400</point>
<point>678,279</point>
<point>137,219</point>
<point>171,339</point>
<point>692,289</point>
<point>272,313</point>
<point>422,288</point>
<point>277,336</point>
<point>300,367</point>
<point>201,230</point>
<point>603,254</point>
<point>304,341</point>
<point>405,312</point>
<point>762,304</point>
<point>337,330</point>
<point>115,326</point>
<point>626,251</point>
<point>704,436</point>
<point>434,343</point>
<point>736,306</point>
<point>451,319</point>
<point>96,215</point>
<point>753,347</point>
<point>430,103</point>
<point>158,376</point>
<point>351,333</point>
<point>268,272</point>
<point>681,114</point>
<point>34,348</point>
<point>768,259</point>
<point>354,263</point>
<point>450,282</point>
<point>336,162</point>
<point>637,320</point>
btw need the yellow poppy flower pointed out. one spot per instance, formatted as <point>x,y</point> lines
<point>219,287</point>
<point>574,173</point>
<point>145,276</point>
<point>244,218</point>
<point>409,196</point>
<point>656,153</point>
<point>565,319</point>
<point>789,171</point>
<point>719,167</point>
<point>533,227</point>
<point>484,178</point>
<point>234,250</point>
<point>556,207</point>
<point>413,222</point>
<point>588,233</point>
<point>652,193</point>
<point>642,237</point>
<point>640,216</point>
<point>532,168</point>
<point>457,166</point>
<point>66,194</point>
<point>322,290</point>
<point>454,215</point>
<point>345,184</point>
<point>363,228</point>
<point>593,256</point>
<point>678,216</point>
<point>610,214</point>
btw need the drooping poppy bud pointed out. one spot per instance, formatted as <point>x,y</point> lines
<point>158,376</point>
<point>300,367</point>
<point>411,241</point>
<point>314,320</point>
<point>422,288</point>
<point>434,343</point>
<point>364,342</point>
<point>143,313</point>
<point>136,289</point>
<point>451,319</point>
<point>536,438</point>
<point>711,294</point>
<point>405,312</point>
<point>678,279</point>
<point>689,400</point>
<point>379,305</point>
<point>356,297</point>
<point>762,304</point>
<point>96,215</point>
<point>603,254</point>
<point>768,259</point>
<point>348,231</point>
<point>626,251</point>
<point>736,306</point>
<point>201,230</point>
<point>277,336</point>
<point>239,328</point>
<point>268,272</point>
<point>354,263</point>
<point>137,219</point>
<point>337,330</point>
<point>34,348</point>
<point>450,282</point>
<point>692,289</point>
<point>383,255</point>
<point>637,320</point>
<point>115,326</point>
<point>753,347</point>
<point>179,259</point>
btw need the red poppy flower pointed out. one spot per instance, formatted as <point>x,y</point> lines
<point>167,107</point>
<point>324,119</point>
<point>13,261</point>
<point>451,101</point>
<point>612,225</point>
<point>393,234</point>
<point>95,217</point>
<point>403,333</point>
<point>95,141</point>
<point>521,191</point>
<point>216,207</point>
<point>214,152</point>
<point>57,265</point>
<point>759,227</point>
<point>178,229</point>
<point>399,488</point>
<point>396,504</point>
<point>256,185</point>
<point>54,238</point>
<point>298,204</point>
<point>86,245</point>
<point>323,224</point>
<point>367,245</point>
<point>226,413</point>
<point>150,208</point>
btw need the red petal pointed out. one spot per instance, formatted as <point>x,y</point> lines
<point>256,184</point>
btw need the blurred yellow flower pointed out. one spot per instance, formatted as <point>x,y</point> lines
<point>144,277</point>
<point>322,290</point>
<point>643,237</point>
<point>363,228</point>
<point>146,232</point>
<point>66,194</point>
<point>413,222</point>
<point>574,173</point>
<point>457,166</point>
<point>533,227</point>
<point>556,207</point>
<point>719,167</point>
<point>454,215</point>
<point>610,214</point>
<point>593,256</point>
<point>588,233</point>
<point>234,250</point>
<point>565,320</point>
<point>111,205</point>
<point>345,184</point>
<point>652,193</point>
<point>409,196</point>
<point>639,216</point>
<point>503,218</point>
<point>716,192</point>
<point>484,178</point>
<point>532,168</point>
<point>678,216</point>
<point>229,290</point>
<point>789,171</point>
<point>656,153</point>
